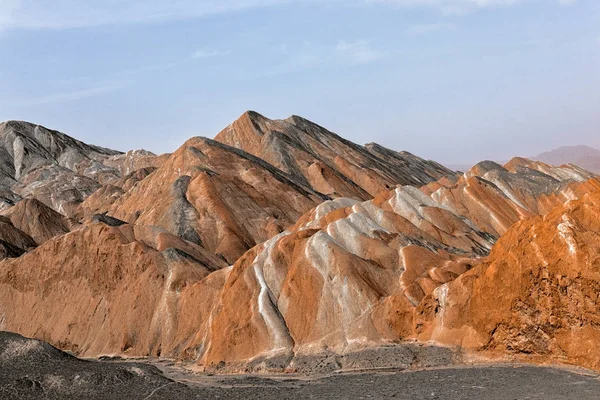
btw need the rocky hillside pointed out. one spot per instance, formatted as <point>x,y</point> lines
<point>30,369</point>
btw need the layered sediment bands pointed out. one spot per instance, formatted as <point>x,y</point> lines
<point>99,202</point>
<point>135,160</point>
<point>322,160</point>
<point>536,295</point>
<point>108,290</point>
<point>349,274</point>
<point>560,172</point>
<point>217,196</point>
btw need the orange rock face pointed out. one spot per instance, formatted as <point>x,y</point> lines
<point>537,294</point>
<point>346,276</point>
<point>106,290</point>
<point>38,220</point>
<point>494,197</point>
<point>13,241</point>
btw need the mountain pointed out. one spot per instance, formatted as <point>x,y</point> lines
<point>106,289</point>
<point>256,179</point>
<point>350,275</point>
<point>220,197</point>
<point>13,241</point>
<point>38,220</point>
<point>583,156</point>
<point>347,275</point>
<point>279,245</point>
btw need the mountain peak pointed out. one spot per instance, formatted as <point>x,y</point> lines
<point>320,159</point>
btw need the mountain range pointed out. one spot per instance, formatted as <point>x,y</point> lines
<point>584,156</point>
<point>279,240</point>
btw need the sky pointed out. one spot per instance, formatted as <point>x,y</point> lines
<point>457,81</point>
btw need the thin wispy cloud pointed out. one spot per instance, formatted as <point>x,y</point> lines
<point>458,7</point>
<point>359,52</point>
<point>119,80</point>
<point>309,56</point>
<point>195,56</point>
<point>74,80</point>
<point>73,95</point>
<point>209,53</point>
<point>69,14</point>
<point>424,29</point>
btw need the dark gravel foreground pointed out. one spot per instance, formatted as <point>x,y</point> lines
<point>34,370</point>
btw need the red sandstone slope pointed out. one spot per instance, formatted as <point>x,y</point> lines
<point>13,241</point>
<point>38,220</point>
<point>346,276</point>
<point>214,195</point>
<point>494,197</point>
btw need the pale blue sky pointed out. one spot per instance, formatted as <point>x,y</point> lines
<point>453,80</point>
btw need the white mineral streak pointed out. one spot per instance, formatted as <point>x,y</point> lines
<point>331,205</point>
<point>507,190</point>
<point>565,232</point>
<point>278,332</point>
<point>342,302</point>
<point>441,294</point>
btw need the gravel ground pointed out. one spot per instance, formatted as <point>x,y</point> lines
<point>35,370</point>
<point>506,382</point>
